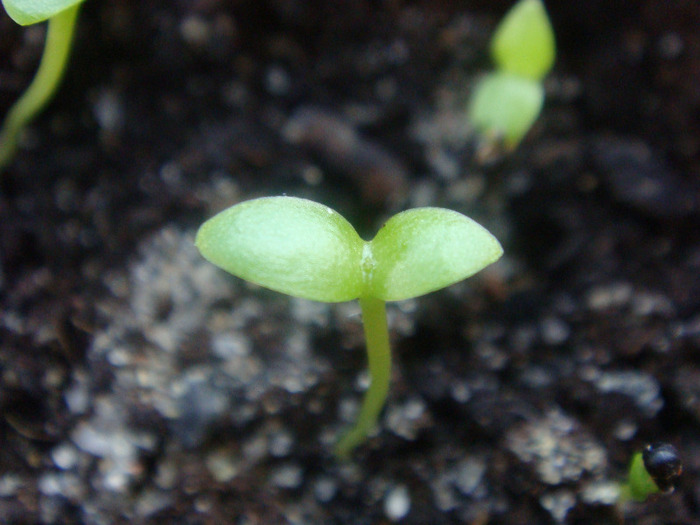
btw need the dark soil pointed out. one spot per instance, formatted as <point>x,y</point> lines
<point>139,384</point>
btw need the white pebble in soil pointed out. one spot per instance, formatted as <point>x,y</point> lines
<point>280,443</point>
<point>397,503</point>
<point>65,456</point>
<point>407,419</point>
<point>557,448</point>
<point>289,476</point>
<point>558,504</point>
<point>603,492</point>
<point>641,387</point>
<point>469,475</point>
<point>325,489</point>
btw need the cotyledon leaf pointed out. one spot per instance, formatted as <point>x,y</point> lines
<point>290,245</point>
<point>424,249</point>
<point>27,12</point>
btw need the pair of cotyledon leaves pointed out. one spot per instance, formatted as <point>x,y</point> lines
<point>305,249</point>
<point>27,12</point>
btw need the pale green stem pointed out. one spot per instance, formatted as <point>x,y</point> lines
<point>59,39</point>
<point>379,356</point>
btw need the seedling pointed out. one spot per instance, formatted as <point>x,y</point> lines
<point>654,470</point>
<point>305,249</point>
<point>62,15</point>
<point>506,103</point>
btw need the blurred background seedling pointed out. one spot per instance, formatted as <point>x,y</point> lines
<point>506,102</point>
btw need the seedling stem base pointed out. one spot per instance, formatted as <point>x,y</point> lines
<point>379,357</point>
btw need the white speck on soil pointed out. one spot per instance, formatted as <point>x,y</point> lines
<point>64,456</point>
<point>557,450</point>
<point>397,503</point>
<point>407,419</point>
<point>558,504</point>
<point>222,465</point>
<point>601,492</point>
<point>642,388</point>
<point>289,476</point>
<point>325,489</point>
<point>470,473</point>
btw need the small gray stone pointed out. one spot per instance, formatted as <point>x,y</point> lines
<point>166,475</point>
<point>470,472</point>
<point>151,501</point>
<point>558,504</point>
<point>407,419</point>
<point>289,476</point>
<point>554,331</point>
<point>444,494</point>
<point>280,443</point>
<point>641,387</point>
<point>223,466</point>
<point>229,345</point>
<point>277,81</point>
<point>613,295</point>
<point>50,484</point>
<point>325,489</point>
<point>601,493</point>
<point>10,483</point>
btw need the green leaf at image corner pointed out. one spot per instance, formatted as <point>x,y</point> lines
<point>290,245</point>
<point>28,12</point>
<point>524,42</point>
<point>425,249</point>
<point>505,106</point>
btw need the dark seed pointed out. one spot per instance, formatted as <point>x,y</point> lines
<point>663,464</point>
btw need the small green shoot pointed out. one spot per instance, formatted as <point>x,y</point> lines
<point>654,470</point>
<point>506,103</point>
<point>305,249</point>
<point>62,16</point>
<point>639,484</point>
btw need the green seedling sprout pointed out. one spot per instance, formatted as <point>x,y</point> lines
<point>654,470</point>
<point>62,15</point>
<point>305,249</point>
<point>506,103</point>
